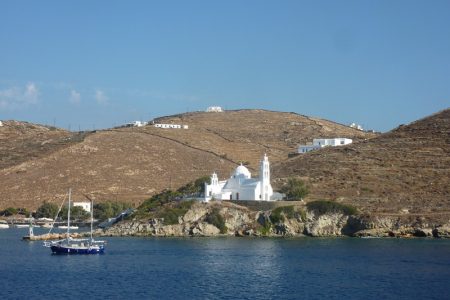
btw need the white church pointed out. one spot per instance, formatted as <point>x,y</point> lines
<point>241,185</point>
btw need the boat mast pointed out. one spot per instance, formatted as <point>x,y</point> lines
<point>30,229</point>
<point>68,215</point>
<point>92,217</point>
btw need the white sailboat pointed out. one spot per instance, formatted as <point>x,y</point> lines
<point>76,246</point>
<point>3,224</point>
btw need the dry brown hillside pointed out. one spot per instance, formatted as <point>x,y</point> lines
<point>131,164</point>
<point>244,135</point>
<point>22,141</point>
<point>407,169</point>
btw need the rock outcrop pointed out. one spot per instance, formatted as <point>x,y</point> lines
<point>240,221</point>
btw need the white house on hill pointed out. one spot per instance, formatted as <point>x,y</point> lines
<point>171,126</point>
<point>320,143</point>
<point>240,185</point>
<point>214,109</point>
<point>356,126</point>
<point>136,124</point>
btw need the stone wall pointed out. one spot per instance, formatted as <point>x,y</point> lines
<point>264,205</point>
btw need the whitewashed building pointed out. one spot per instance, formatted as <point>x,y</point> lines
<point>171,126</point>
<point>214,109</point>
<point>136,124</point>
<point>320,143</point>
<point>356,126</point>
<point>86,205</point>
<point>1,124</point>
<point>241,186</point>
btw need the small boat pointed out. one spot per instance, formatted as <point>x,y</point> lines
<point>65,227</point>
<point>22,225</point>
<point>76,246</point>
<point>3,224</point>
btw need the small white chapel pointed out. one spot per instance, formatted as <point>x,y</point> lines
<point>241,185</point>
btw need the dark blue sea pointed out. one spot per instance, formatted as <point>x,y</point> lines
<point>228,268</point>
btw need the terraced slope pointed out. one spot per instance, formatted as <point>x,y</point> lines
<point>405,170</point>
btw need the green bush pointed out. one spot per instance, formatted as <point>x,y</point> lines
<point>10,211</point>
<point>295,189</point>
<point>171,213</point>
<point>47,210</point>
<point>158,201</point>
<point>76,213</point>
<point>216,219</point>
<point>278,214</point>
<point>105,210</point>
<point>322,207</point>
<point>23,211</point>
<point>170,216</point>
<point>265,230</point>
<point>194,188</point>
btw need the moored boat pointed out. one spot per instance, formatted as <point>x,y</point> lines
<point>71,245</point>
<point>65,227</point>
<point>3,224</point>
<point>22,225</point>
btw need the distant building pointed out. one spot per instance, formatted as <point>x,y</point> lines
<point>214,109</point>
<point>240,185</point>
<point>1,124</point>
<point>356,126</point>
<point>86,205</point>
<point>320,143</point>
<point>172,126</point>
<point>136,124</point>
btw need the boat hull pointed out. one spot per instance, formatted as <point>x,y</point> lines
<point>56,249</point>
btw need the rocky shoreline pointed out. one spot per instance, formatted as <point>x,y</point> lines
<point>289,222</point>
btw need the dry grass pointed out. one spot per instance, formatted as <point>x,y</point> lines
<point>132,164</point>
<point>407,169</point>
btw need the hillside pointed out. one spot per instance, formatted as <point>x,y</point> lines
<point>22,141</point>
<point>131,164</point>
<point>405,170</point>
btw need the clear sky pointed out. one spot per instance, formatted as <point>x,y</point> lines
<point>87,64</point>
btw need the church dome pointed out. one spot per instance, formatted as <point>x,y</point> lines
<point>242,171</point>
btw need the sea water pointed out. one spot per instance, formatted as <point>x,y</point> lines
<point>228,268</point>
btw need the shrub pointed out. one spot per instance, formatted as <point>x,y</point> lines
<point>216,219</point>
<point>171,213</point>
<point>194,188</point>
<point>265,230</point>
<point>9,211</point>
<point>76,213</point>
<point>23,211</point>
<point>105,210</point>
<point>170,216</point>
<point>295,189</point>
<point>278,214</point>
<point>47,210</point>
<point>157,201</point>
<point>322,207</point>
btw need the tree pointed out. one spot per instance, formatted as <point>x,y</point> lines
<point>76,213</point>
<point>9,211</point>
<point>47,210</point>
<point>196,187</point>
<point>105,210</point>
<point>295,189</point>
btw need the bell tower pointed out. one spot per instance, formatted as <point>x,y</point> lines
<point>264,177</point>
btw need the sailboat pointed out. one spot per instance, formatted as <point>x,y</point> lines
<point>76,246</point>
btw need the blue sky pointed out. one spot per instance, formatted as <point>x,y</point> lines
<point>97,64</point>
